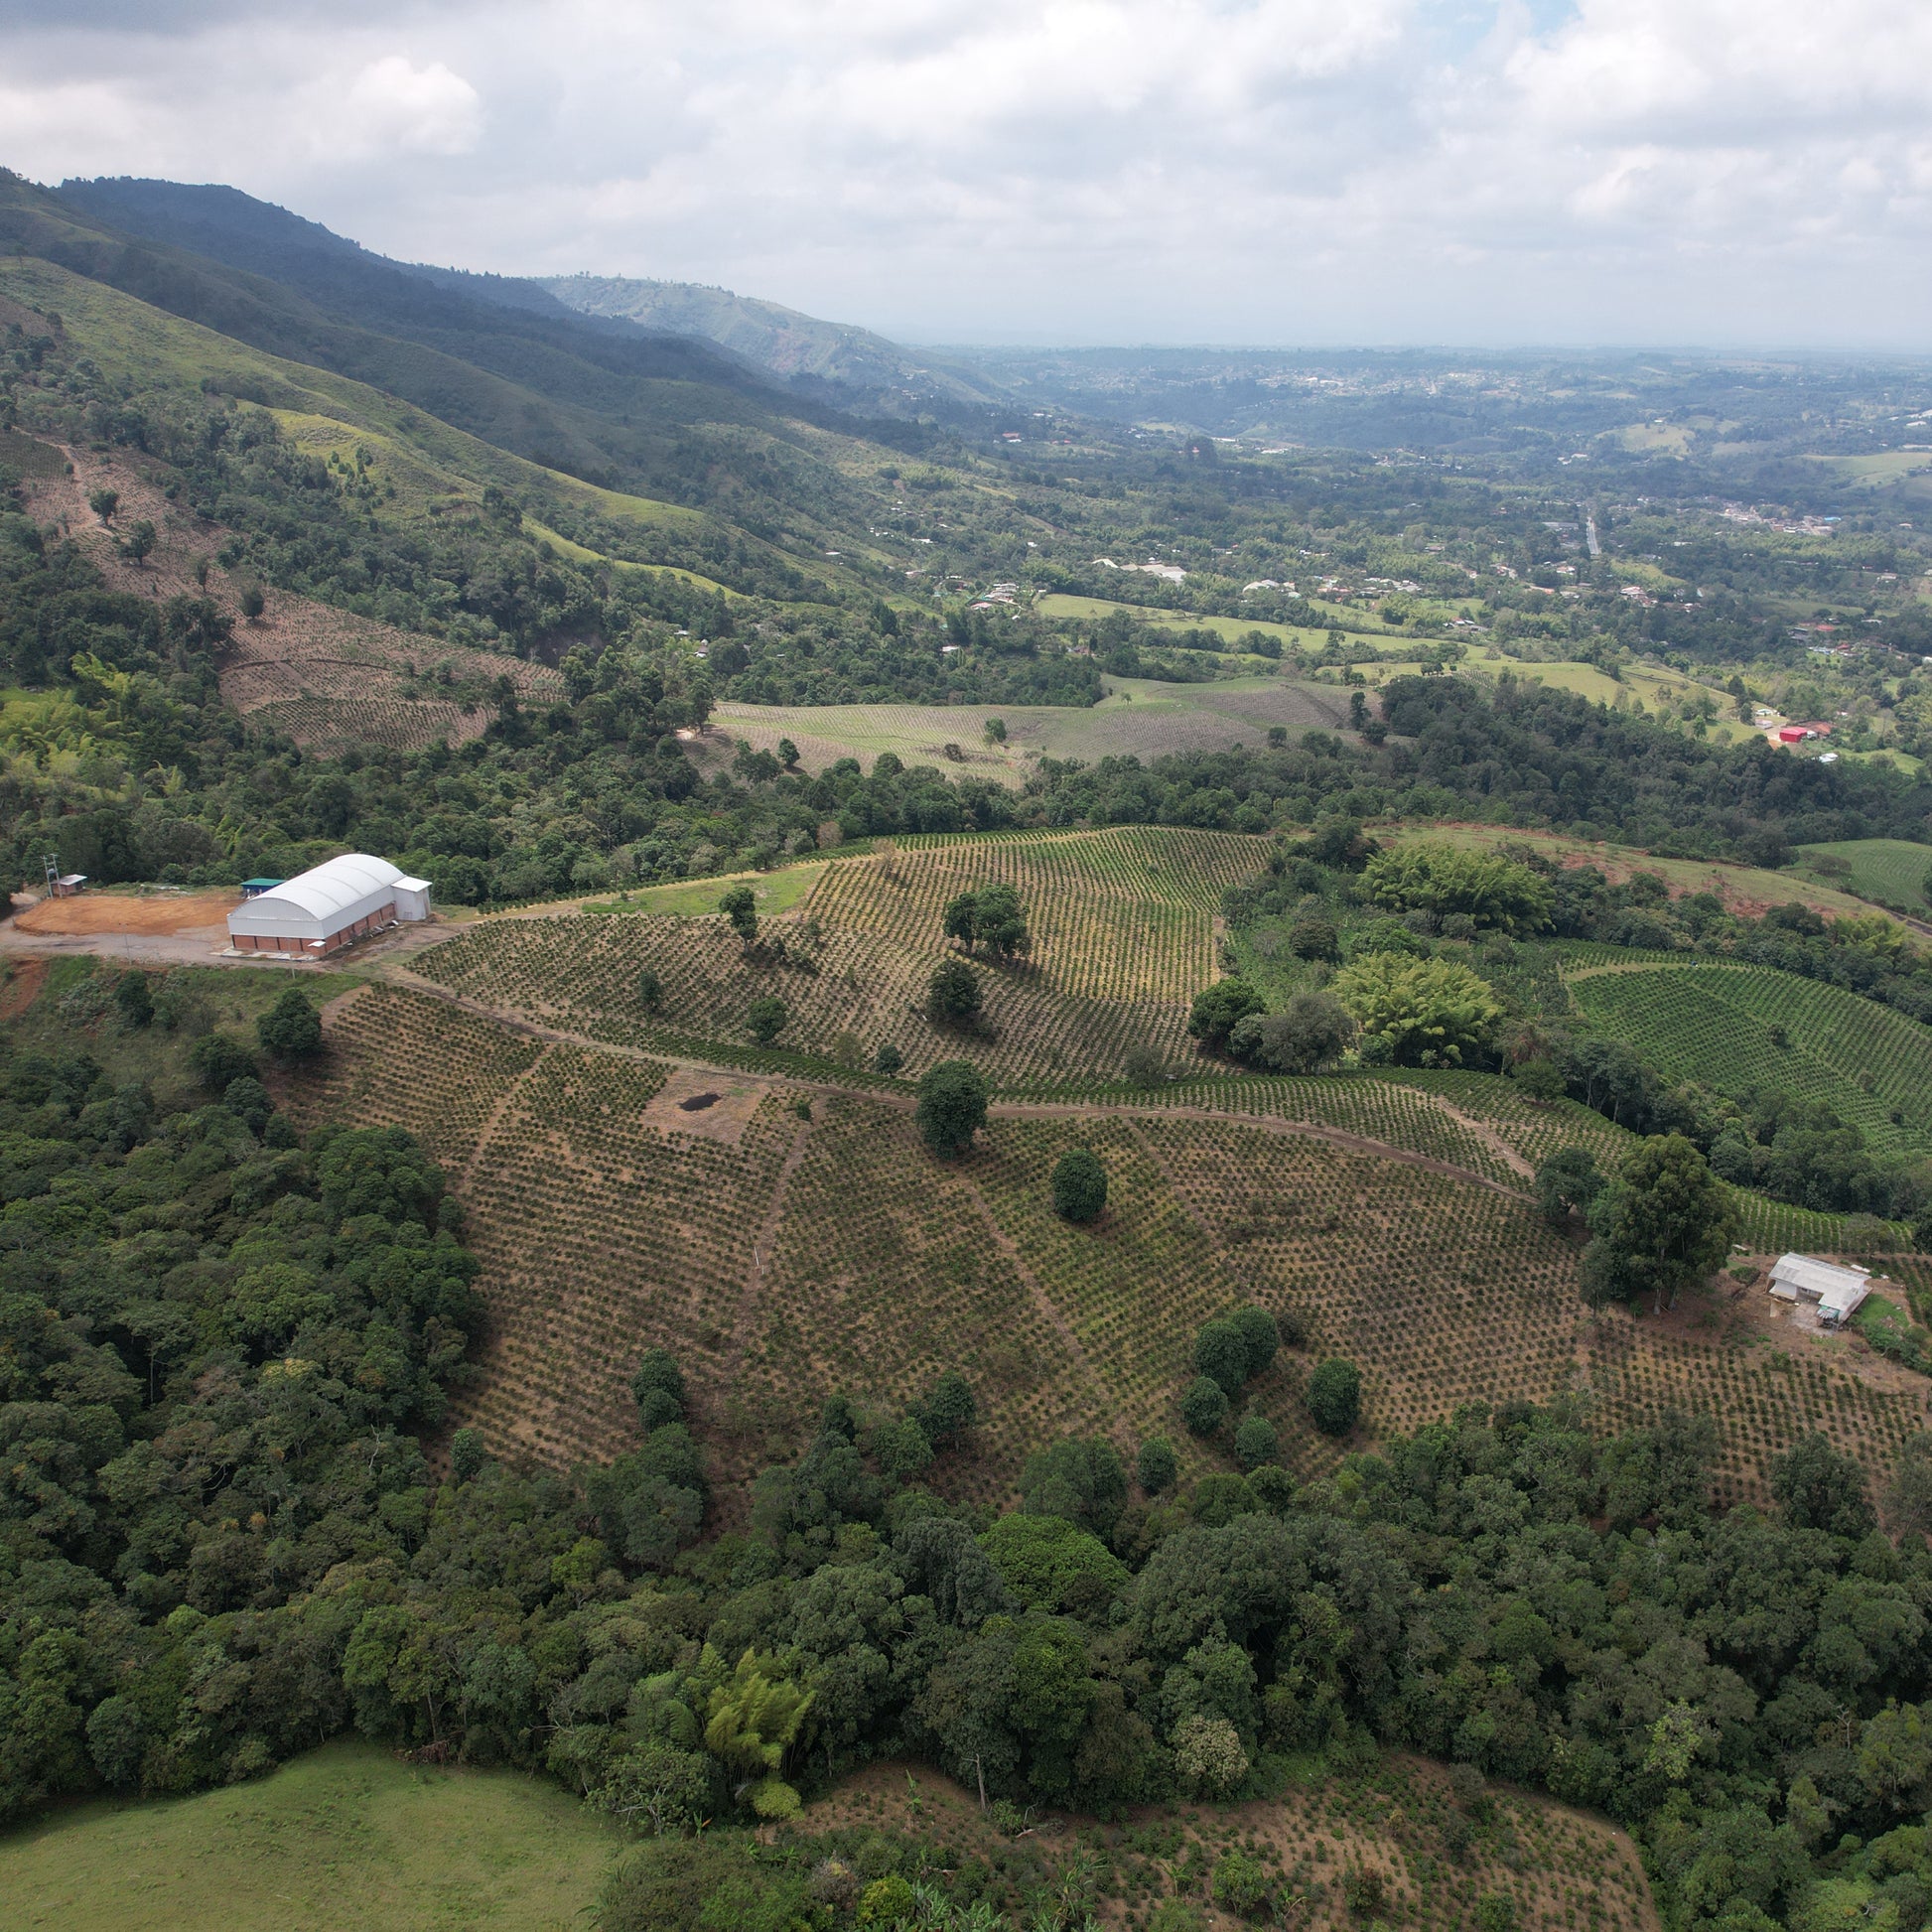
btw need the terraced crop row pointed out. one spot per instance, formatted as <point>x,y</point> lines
<point>583,975</point>
<point>400,724</point>
<point>1714,1023</point>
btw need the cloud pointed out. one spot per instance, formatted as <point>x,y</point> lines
<point>1099,170</point>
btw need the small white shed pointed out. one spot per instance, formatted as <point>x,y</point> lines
<point>1837,1288</point>
<point>328,906</point>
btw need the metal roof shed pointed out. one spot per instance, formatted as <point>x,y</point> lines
<point>1837,1290</point>
<point>326,907</point>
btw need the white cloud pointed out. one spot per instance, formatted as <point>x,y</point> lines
<point>1102,169</point>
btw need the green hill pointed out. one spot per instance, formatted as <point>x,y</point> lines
<point>1890,871</point>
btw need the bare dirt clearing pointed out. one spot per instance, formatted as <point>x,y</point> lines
<point>169,912</point>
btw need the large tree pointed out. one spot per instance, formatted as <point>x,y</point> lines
<point>952,1106</point>
<point>1666,1221</point>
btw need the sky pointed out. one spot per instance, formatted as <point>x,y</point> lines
<point>1717,173</point>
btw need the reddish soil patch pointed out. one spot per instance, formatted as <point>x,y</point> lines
<point>21,989</point>
<point>115,912</point>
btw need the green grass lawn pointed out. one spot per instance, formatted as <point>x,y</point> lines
<point>343,1839</point>
<point>1892,871</point>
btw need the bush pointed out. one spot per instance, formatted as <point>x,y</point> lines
<point>952,1106</point>
<point>1333,1397</point>
<point>1157,1466</point>
<point>1144,1066</point>
<point>765,1019</point>
<point>1362,1893</point>
<point>132,996</point>
<point>1219,1007</point>
<point>1240,1885</point>
<point>889,1059</point>
<point>1255,1442</point>
<point>1204,1408</point>
<point>650,991</point>
<point>952,994</point>
<point>657,1388</point>
<point>291,1030</point>
<point>1079,1185</point>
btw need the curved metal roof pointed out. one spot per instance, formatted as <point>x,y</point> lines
<point>332,887</point>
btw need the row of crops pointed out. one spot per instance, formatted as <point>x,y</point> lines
<point>832,1253</point>
<point>1741,1026</point>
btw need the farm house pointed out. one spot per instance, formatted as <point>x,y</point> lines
<point>326,907</point>
<point>1837,1289</point>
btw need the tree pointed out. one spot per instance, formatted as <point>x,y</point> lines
<point>105,502</point>
<point>1541,1078</point>
<point>1908,1498</point>
<point>1333,1397</point>
<point>1157,1466</point>
<point>291,1030</point>
<point>1310,1033</point>
<point>952,1106</point>
<point>765,1019</point>
<point>133,998</point>
<point>740,907</point>
<point>1313,937</point>
<point>991,916</point>
<point>996,731</point>
<point>1667,1222</point>
<point>1819,1488</point>
<point>788,754</point>
<point>1256,1442</point>
<point>1204,1406</point>
<point>1568,1179</point>
<point>1426,1012</point>
<point>1079,1185</point>
<point>1144,1066</point>
<point>217,1058</point>
<point>889,1059</point>
<point>138,543</point>
<point>1262,1336</point>
<point>254,602</point>
<point>1219,1007</point>
<point>948,1410</point>
<point>750,1722</point>
<point>650,991</point>
<point>952,994</point>
<point>657,1388</point>
<point>1079,1479</point>
<point>1221,1355</point>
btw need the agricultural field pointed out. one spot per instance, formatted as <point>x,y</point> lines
<point>1893,873</point>
<point>346,1838</point>
<point>1556,1867</point>
<point>1138,718</point>
<point>785,1252</point>
<point>1123,930</point>
<point>1740,1026</point>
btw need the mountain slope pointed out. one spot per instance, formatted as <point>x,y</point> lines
<point>652,415</point>
<point>848,363</point>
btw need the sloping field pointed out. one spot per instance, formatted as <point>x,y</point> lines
<point>1714,1023</point>
<point>785,1258</point>
<point>1140,718</point>
<point>1890,871</point>
<point>1123,930</point>
<point>346,1838</point>
<point>324,677</point>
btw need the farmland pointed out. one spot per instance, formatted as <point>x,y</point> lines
<point>1741,1026</point>
<point>1121,940</point>
<point>1890,871</point>
<point>1138,718</point>
<point>785,1256</point>
<point>343,1839</point>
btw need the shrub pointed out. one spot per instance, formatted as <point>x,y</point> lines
<point>1496,1912</point>
<point>952,1106</point>
<point>1255,1442</point>
<point>1333,1397</point>
<point>1204,1407</point>
<point>1144,1066</point>
<point>1178,1914</point>
<point>887,1901</point>
<point>1362,1893</point>
<point>1313,937</point>
<point>1207,1755</point>
<point>1079,1185</point>
<point>132,996</point>
<point>1240,1885</point>
<point>1157,1466</point>
<point>889,1059</point>
<point>650,991</point>
<point>952,994</point>
<point>765,1019</point>
<point>291,1030</point>
<point>657,1388</point>
<point>1219,1007</point>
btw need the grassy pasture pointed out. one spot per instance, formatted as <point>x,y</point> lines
<point>1714,1023</point>
<point>1140,717</point>
<point>1890,871</point>
<point>346,1839</point>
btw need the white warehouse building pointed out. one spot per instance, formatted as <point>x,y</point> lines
<point>326,907</point>
<point>1837,1289</point>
